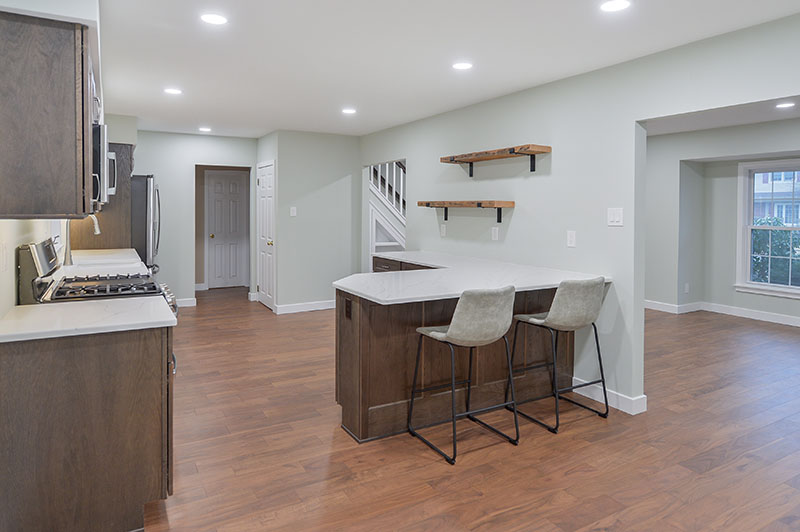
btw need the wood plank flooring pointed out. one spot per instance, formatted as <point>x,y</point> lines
<point>258,444</point>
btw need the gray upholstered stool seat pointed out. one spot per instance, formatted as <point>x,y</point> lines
<point>438,332</point>
<point>481,317</point>
<point>576,305</point>
<point>533,319</point>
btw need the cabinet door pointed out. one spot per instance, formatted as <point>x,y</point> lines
<point>167,454</point>
<point>412,266</point>
<point>380,264</point>
<point>45,123</point>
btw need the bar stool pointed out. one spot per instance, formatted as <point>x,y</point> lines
<point>576,305</point>
<point>481,318</point>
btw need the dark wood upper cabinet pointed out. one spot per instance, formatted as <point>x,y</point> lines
<point>45,118</point>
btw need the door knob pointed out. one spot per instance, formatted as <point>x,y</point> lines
<point>211,235</point>
<point>269,242</point>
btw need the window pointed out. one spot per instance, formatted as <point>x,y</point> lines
<point>769,228</point>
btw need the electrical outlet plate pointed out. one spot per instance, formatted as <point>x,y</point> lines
<point>292,211</point>
<point>571,238</point>
<point>442,230</point>
<point>495,233</point>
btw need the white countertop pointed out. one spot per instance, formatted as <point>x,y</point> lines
<point>73,318</point>
<point>454,275</point>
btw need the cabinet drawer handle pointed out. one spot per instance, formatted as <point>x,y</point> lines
<point>174,364</point>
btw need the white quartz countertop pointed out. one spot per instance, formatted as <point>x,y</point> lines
<point>453,275</point>
<point>73,318</point>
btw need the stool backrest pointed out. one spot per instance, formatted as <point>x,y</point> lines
<point>482,316</point>
<point>576,304</point>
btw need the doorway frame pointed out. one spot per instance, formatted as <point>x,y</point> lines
<point>199,170</point>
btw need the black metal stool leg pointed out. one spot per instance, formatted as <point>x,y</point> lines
<point>513,395</point>
<point>453,398</point>
<point>513,352</point>
<point>414,386</point>
<point>469,376</point>
<point>602,375</point>
<point>554,382</point>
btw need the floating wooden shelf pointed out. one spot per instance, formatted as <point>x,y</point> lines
<point>531,150</point>
<point>478,204</point>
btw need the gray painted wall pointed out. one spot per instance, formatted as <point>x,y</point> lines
<point>692,233</point>
<point>320,175</point>
<point>590,120</point>
<point>172,157</point>
<point>682,195</point>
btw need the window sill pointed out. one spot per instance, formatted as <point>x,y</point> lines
<point>768,290</point>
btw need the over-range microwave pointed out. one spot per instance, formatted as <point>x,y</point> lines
<point>104,166</point>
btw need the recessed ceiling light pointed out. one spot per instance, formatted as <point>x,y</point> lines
<point>462,66</point>
<point>173,90</point>
<point>615,5</point>
<point>349,111</point>
<point>213,18</point>
<point>204,129</point>
<point>786,105</point>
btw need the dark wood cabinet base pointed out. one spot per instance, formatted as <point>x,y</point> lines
<point>84,430</point>
<point>376,349</point>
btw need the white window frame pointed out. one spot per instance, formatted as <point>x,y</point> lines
<point>744,220</point>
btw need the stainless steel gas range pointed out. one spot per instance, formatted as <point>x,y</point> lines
<point>38,282</point>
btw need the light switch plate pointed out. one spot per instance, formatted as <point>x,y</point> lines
<point>442,230</point>
<point>615,217</point>
<point>571,239</point>
<point>292,211</point>
<point>495,233</point>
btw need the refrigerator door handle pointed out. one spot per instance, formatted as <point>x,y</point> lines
<point>150,229</point>
<point>158,226</point>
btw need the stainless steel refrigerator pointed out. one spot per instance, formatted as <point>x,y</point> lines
<point>146,218</point>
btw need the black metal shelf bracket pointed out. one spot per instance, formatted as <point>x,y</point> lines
<point>445,214</point>
<point>533,163</point>
<point>499,215</point>
<point>470,170</point>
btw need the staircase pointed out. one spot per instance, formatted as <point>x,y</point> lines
<point>387,206</point>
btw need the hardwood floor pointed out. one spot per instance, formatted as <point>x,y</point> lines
<point>258,444</point>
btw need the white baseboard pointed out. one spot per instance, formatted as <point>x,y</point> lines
<point>674,309</point>
<point>760,315</point>
<point>629,405</point>
<point>200,287</point>
<point>252,296</point>
<point>305,307</point>
<point>187,302</point>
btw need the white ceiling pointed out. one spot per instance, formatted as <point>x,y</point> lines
<point>735,115</point>
<point>293,64</point>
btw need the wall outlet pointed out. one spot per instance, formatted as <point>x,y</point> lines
<point>443,230</point>
<point>686,288</point>
<point>292,211</point>
<point>495,233</point>
<point>571,239</point>
<point>615,216</point>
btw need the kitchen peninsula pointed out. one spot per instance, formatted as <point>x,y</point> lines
<point>377,315</point>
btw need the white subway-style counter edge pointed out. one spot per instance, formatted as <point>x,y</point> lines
<point>453,275</point>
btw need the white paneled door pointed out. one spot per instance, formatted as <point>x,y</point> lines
<point>265,209</point>
<point>227,238</point>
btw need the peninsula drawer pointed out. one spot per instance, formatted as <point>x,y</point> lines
<point>386,265</point>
